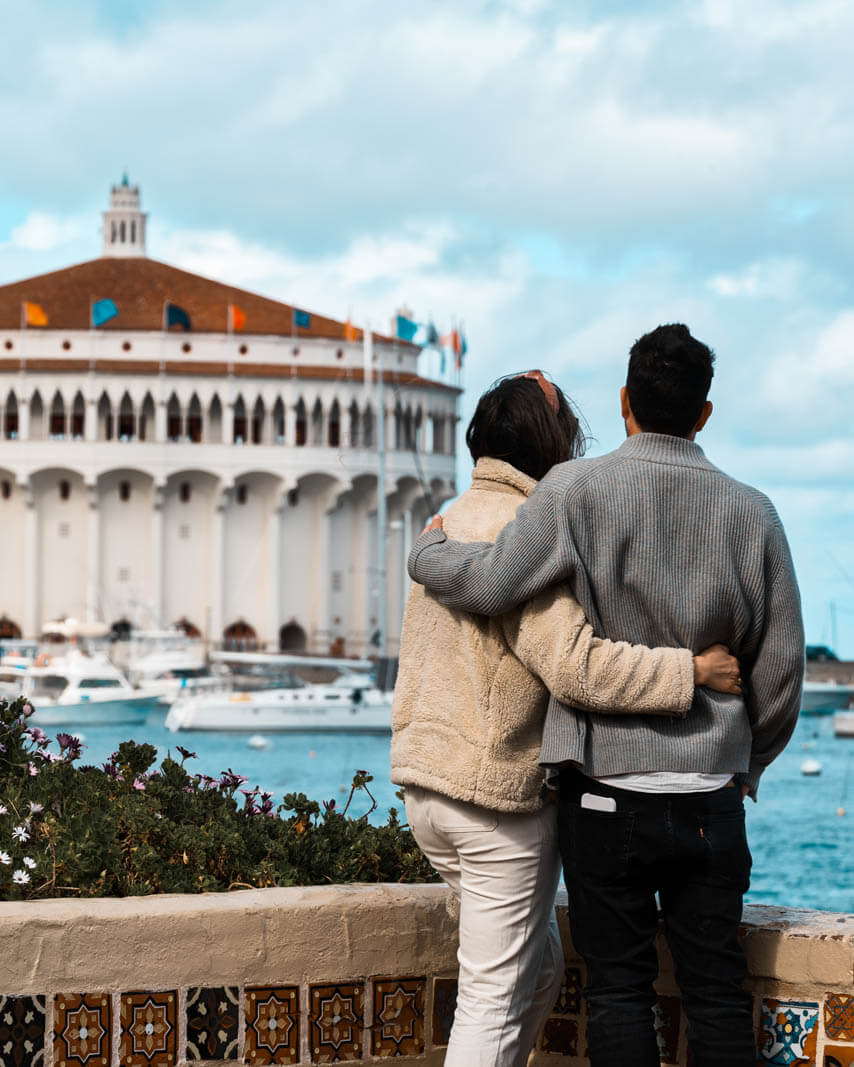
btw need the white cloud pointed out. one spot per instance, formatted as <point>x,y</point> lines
<point>779,279</point>
<point>43,232</point>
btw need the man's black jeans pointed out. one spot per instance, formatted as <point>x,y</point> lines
<point>691,849</point>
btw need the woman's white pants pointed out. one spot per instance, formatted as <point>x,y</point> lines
<point>504,868</point>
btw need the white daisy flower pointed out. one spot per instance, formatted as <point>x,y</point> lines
<point>20,877</point>
<point>36,808</point>
<point>3,809</point>
<point>29,862</point>
<point>5,858</point>
<point>20,833</point>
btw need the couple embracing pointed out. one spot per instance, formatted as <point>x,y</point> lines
<point>567,693</point>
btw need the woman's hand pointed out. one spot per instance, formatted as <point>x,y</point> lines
<point>717,669</point>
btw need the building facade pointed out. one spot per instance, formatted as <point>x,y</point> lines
<point>219,477</point>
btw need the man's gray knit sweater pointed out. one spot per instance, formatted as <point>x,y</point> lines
<point>661,548</point>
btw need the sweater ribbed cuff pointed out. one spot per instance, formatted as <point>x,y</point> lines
<point>750,778</point>
<point>686,682</point>
<point>426,540</point>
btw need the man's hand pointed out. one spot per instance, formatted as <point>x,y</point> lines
<point>434,524</point>
<point>717,669</point>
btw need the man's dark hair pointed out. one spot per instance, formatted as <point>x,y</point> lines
<point>668,381</point>
<point>514,421</point>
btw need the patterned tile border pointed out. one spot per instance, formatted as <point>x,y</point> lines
<point>838,1056</point>
<point>398,1026</point>
<point>148,1035</point>
<point>788,1031</point>
<point>336,1016</point>
<point>213,1023</point>
<point>839,1017</point>
<point>22,1027</point>
<point>272,1025</point>
<point>569,997</point>
<point>82,1030</point>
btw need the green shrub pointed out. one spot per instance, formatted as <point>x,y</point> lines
<point>127,828</point>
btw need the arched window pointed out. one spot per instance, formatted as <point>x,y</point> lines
<point>214,433</point>
<point>301,426</point>
<point>408,438</point>
<point>56,428</point>
<point>292,637</point>
<point>113,232</point>
<point>398,427</point>
<point>189,628</point>
<point>124,490</point>
<point>36,416</point>
<point>239,637</point>
<point>317,423</point>
<point>279,421</point>
<point>333,432</point>
<point>146,417</point>
<point>126,428</point>
<point>258,415</point>
<point>133,231</point>
<point>9,630</point>
<point>122,231</point>
<point>10,418</point>
<point>416,435</point>
<point>78,417</point>
<point>354,425</point>
<point>173,419</point>
<point>438,433</point>
<point>239,434</point>
<point>368,427</point>
<point>194,420</point>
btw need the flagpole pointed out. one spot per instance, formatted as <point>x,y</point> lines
<point>382,606</point>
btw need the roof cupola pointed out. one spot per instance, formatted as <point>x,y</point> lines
<point>124,223</point>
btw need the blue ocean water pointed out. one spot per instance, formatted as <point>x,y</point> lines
<point>803,851</point>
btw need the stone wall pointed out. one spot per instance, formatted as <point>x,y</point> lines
<point>343,974</point>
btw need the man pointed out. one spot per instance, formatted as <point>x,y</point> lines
<point>661,547</point>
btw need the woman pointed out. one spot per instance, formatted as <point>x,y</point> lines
<point>469,705</point>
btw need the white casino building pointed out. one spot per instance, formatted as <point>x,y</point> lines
<point>223,480</point>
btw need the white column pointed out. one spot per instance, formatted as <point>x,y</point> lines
<point>157,562</point>
<point>274,568</point>
<point>90,417</point>
<point>218,565</point>
<point>160,420</point>
<point>93,555</point>
<point>31,621</point>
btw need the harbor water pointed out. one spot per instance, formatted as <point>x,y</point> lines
<point>803,850</point>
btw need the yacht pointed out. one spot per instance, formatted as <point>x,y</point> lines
<point>351,702</point>
<point>76,688</point>
<point>167,664</point>
<point>823,698</point>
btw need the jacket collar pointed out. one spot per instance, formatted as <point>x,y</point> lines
<point>488,470</point>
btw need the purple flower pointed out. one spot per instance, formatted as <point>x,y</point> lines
<point>230,780</point>
<point>2,747</point>
<point>31,767</point>
<point>39,736</point>
<point>329,805</point>
<point>137,784</point>
<point>111,769</point>
<point>186,753</point>
<point>27,710</point>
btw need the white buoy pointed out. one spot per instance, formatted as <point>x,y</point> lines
<point>258,741</point>
<point>811,767</point>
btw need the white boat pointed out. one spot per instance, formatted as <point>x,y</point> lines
<point>76,688</point>
<point>351,703</point>
<point>843,724</point>
<point>822,698</point>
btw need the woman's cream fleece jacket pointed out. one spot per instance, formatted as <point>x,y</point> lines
<point>472,691</point>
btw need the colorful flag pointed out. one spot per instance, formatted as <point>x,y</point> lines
<point>34,314</point>
<point>103,311</point>
<point>406,328</point>
<point>350,332</point>
<point>431,336</point>
<point>236,318</point>
<point>302,319</point>
<point>175,316</point>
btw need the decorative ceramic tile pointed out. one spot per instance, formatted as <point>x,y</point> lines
<point>561,1035</point>
<point>82,1030</point>
<point>569,997</point>
<point>22,1023</point>
<point>839,1017</point>
<point>335,1014</point>
<point>212,1023</point>
<point>148,1029</point>
<point>838,1056</point>
<point>444,1006</point>
<point>272,1025</point>
<point>667,1013</point>
<point>788,1030</point>
<point>398,1027</point>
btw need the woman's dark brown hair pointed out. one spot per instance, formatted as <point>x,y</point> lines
<point>514,421</point>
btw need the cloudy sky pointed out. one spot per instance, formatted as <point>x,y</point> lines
<point>561,176</point>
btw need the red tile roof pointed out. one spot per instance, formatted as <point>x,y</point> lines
<point>139,287</point>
